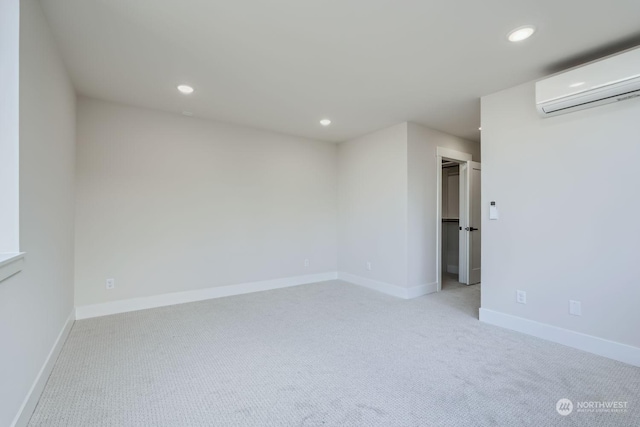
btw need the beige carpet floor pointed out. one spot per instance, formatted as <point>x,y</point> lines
<point>327,354</point>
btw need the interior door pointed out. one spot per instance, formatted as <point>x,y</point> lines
<point>474,219</point>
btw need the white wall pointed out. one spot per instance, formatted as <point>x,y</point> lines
<point>423,209</point>
<point>388,204</point>
<point>563,186</point>
<point>167,203</point>
<point>35,303</point>
<point>373,206</point>
<point>9,123</point>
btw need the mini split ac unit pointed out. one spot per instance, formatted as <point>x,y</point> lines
<point>616,78</point>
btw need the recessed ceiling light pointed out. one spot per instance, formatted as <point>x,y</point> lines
<point>185,89</point>
<point>576,84</point>
<point>325,122</point>
<point>479,128</point>
<point>521,33</point>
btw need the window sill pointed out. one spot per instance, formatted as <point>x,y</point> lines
<point>10,264</point>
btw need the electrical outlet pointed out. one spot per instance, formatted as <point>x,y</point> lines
<point>369,265</point>
<point>111,283</point>
<point>521,297</point>
<point>306,262</point>
<point>575,308</point>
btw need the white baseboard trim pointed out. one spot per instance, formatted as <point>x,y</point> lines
<point>453,269</point>
<point>418,291</point>
<point>10,264</point>
<point>143,303</point>
<point>389,289</point>
<point>31,400</point>
<point>611,349</point>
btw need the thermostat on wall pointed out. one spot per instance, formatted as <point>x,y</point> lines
<point>493,211</point>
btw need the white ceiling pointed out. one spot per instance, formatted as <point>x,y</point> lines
<point>365,64</point>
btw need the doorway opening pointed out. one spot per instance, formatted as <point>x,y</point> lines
<point>450,247</point>
<point>458,220</point>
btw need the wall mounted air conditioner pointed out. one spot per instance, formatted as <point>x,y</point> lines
<point>615,78</point>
